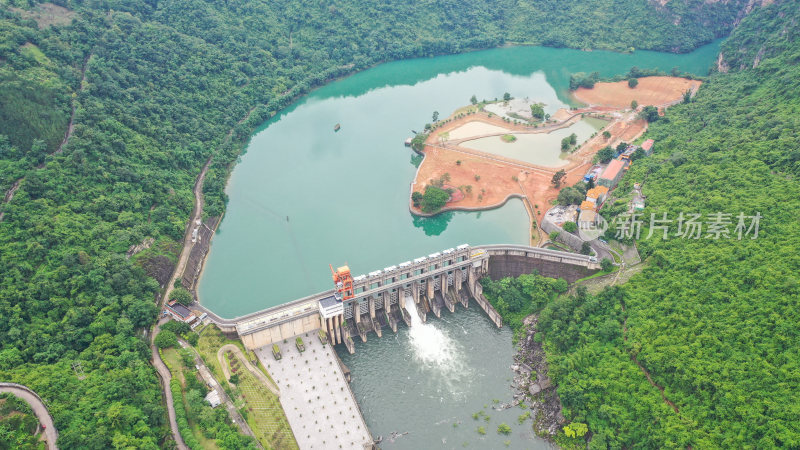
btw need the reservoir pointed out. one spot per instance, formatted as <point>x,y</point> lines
<point>304,196</point>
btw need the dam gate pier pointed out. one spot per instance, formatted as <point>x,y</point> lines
<point>377,302</point>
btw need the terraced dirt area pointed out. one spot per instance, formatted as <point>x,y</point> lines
<point>656,91</point>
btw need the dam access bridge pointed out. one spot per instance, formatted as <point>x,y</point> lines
<point>377,300</point>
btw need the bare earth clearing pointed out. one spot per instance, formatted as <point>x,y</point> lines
<point>656,91</point>
<point>494,179</point>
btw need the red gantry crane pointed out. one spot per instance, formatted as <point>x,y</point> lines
<point>344,283</point>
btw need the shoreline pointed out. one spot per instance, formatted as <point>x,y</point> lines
<point>520,172</point>
<point>531,382</point>
<point>606,101</point>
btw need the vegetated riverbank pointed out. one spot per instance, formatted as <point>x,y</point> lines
<point>532,381</point>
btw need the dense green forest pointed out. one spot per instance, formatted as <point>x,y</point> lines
<point>158,88</point>
<point>19,424</point>
<point>714,322</point>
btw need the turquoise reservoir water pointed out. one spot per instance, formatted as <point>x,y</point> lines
<point>304,196</point>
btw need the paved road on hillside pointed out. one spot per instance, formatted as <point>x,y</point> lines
<point>163,372</point>
<point>38,408</point>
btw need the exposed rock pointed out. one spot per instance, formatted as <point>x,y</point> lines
<point>722,66</point>
<point>134,249</point>
<point>531,379</point>
<point>758,57</point>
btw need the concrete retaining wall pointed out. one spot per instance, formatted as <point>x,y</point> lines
<point>574,242</point>
<point>501,266</point>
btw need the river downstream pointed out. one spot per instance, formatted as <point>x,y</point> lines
<point>305,196</point>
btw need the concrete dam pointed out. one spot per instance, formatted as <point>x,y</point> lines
<point>370,303</point>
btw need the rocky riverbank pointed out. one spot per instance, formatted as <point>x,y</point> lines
<point>532,383</point>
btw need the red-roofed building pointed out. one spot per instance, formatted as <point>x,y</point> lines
<point>647,146</point>
<point>610,177</point>
<point>180,312</point>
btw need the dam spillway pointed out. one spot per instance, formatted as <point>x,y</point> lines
<point>378,303</point>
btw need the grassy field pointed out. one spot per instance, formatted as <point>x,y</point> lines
<point>260,407</point>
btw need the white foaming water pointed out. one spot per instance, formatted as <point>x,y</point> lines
<point>430,344</point>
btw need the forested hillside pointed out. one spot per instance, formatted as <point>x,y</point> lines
<point>157,88</point>
<point>714,322</point>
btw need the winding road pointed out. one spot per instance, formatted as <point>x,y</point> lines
<point>38,407</point>
<point>162,369</point>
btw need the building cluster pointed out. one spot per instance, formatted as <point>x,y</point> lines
<point>605,179</point>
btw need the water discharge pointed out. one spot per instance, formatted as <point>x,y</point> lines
<point>305,196</point>
<point>431,346</point>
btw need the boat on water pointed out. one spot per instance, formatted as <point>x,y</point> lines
<point>336,128</point>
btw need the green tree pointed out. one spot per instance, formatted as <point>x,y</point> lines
<point>605,154</point>
<point>606,264</point>
<point>570,196</point>
<point>418,142</point>
<point>649,113</point>
<point>434,199</point>
<point>506,97</point>
<point>182,296</point>
<point>634,104</point>
<point>503,429</point>
<point>435,116</point>
<point>416,198</point>
<point>633,82</point>
<point>166,338</point>
<point>606,134</point>
<point>586,249</point>
<point>557,177</point>
<point>570,227</point>
<point>576,430</point>
<point>537,111</point>
<point>473,100</point>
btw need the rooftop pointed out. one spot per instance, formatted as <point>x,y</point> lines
<point>328,301</point>
<point>613,169</point>
<point>179,309</point>
<point>587,205</point>
<point>647,145</point>
<point>587,215</point>
<point>596,192</point>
